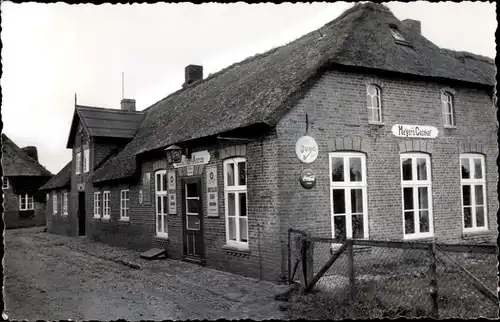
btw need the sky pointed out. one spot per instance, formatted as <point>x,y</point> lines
<point>52,51</point>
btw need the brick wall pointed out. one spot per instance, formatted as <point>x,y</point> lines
<point>336,108</point>
<point>13,218</point>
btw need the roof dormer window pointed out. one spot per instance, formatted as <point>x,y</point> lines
<point>397,35</point>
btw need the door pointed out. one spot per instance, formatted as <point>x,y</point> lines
<point>81,213</point>
<point>192,220</point>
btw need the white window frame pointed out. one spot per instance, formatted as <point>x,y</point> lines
<point>474,182</point>
<point>415,184</point>
<point>106,207</point>
<point>5,183</point>
<point>86,160</point>
<point>348,186</point>
<point>125,205</point>
<point>54,203</point>
<point>447,100</point>
<point>161,194</point>
<point>236,189</point>
<point>97,204</point>
<point>373,107</point>
<point>78,162</point>
<point>65,204</point>
<point>28,204</point>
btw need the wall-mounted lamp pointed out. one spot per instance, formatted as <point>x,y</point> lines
<point>174,154</point>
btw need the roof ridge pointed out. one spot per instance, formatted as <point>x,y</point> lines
<point>108,109</point>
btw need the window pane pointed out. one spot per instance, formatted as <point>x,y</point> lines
<point>423,198</point>
<point>409,223</point>
<point>368,97</point>
<point>376,114</point>
<point>465,168</point>
<point>158,223</point>
<point>356,201</point>
<point>478,170</point>
<point>449,119</point>
<point>408,198</point>
<point>191,190</point>
<point>421,169</point>
<point>243,229</point>
<point>158,182</point>
<point>193,206</point>
<point>242,173</point>
<point>165,224</point>
<point>338,201</point>
<point>371,91</point>
<point>424,221</point>
<point>355,169</point>
<point>480,216</point>
<point>407,175</point>
<point>231,205</point>
<point>164,204</point>
<point>337,169</point>
<point>164,181</point>
<point>466,195</point>
<point>467,217</point>
<point>230,174</point>
<point>193,222</point>
<point>243,204</point>
<point>340,229</point>
<point>232,228</point>
<point>357,226</point>
<point>158,205</point>
<point>478,189</point>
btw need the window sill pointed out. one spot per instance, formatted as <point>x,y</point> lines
<point>477,233</point>
<point>124,221</point>
<point>242,250</point>
<point>161,237</point>
<point>380,124</point>
<point>419,238</point>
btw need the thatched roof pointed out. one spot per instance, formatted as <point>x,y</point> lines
<point>15,162</point>
<point>60,180</point>
<point>105,122</point>
<point>258,90</point>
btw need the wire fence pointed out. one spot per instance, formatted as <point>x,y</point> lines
<point>381,279</point>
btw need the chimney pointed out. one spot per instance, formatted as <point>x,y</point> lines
<point>192,73</point>
<point>31,151</point>
<point>413,25</point>
<point>128,104</point>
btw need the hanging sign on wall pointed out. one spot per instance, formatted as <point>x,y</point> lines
<point>197,158</point>
<point>172,198</point>
<point>212,196</point>
<point>306,149</point>
<point>307,178</point>
<point>415,131</point>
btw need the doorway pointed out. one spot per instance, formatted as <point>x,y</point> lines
<point>81,214</point>
<point>192,220</point>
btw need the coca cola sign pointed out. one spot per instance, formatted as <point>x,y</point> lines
<point>307,178</point>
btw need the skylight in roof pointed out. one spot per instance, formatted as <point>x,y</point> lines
<point>397,35</point>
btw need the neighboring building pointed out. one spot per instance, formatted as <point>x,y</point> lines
<point>23,205</point>
<point>406,138</point>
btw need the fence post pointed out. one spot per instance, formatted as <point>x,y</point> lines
<point>433,290</point>
<point>289,257</point>
<point>350,267</point>
<point>307,261</point>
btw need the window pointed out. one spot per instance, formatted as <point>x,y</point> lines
<point>397,35</point>
<point>417,195</point>
<point>348,196</point>
<point>124,205</point>
<point>25,202</point>
<point>86,161</point>
<point>78,163</point>
<point>374,104</point>
<point>106,208</point>
<point>235,196</point>
<point>161,203</point>
<point>473,192</point>
<point>54,203</point>
<point>447,102</point>
<point>65,204</point>
<point>5,183</point>
<point>97,204</point>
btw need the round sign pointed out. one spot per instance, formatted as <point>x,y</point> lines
<point>306,149</point>
<point>140,196</point>
<point>307,178</point>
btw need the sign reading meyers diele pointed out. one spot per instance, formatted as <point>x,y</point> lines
<point>212,198</point>
<point>197,158</point>
<point>415,131</point>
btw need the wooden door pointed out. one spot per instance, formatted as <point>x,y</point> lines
<point>192,219</point>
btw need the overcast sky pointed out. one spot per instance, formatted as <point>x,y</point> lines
<point>52,51</point>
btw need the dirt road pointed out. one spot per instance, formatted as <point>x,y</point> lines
<point>50,277</point>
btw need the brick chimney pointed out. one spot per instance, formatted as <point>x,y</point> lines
<point>128,104</point>
<point>413,25</point>
<point>192,73</point>
<point>31,151</point>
